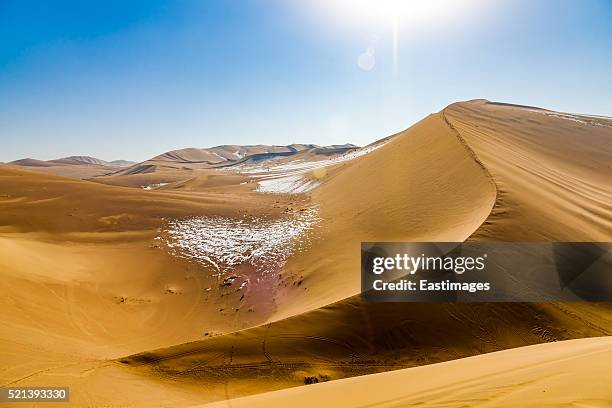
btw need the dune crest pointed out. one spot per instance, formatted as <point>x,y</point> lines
<point>553,175</point>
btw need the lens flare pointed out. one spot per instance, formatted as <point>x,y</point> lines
<point>397,17</point>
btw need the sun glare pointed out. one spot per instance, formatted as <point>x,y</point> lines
<point>411,12</point>
<point>396,17</point>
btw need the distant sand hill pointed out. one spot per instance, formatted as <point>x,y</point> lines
<point>195,168</point>
<point>228,154</point>
<point>79,167</point>
<point>99,297</point>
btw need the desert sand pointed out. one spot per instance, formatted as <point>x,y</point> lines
<point>518,377</point>
<point>104,292</point>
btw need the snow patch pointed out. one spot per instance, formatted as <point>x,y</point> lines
<point>583,120</point>
<point>154,186</point>
<point>300,165</point>
<point>225,243</point>
<point>292,177</point>
<point>293,184</point>
<point>591,120</point>
<point>219,156</point>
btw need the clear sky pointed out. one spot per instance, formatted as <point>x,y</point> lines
<point>119,79</point>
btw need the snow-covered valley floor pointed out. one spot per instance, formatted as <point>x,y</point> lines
<point>224,244</point>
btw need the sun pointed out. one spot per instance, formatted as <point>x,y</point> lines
<point>399,17</point>
<point>404,12</point>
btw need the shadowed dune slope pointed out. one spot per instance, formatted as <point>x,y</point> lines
<point>351,338</point>
<point>569,373</point>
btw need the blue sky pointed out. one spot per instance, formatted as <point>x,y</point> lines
<point>132,79</point>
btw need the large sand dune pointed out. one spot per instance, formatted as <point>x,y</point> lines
<point>564,374</point>
<point>423,185</point>
<point>128,320</point>
<point>552,171</point>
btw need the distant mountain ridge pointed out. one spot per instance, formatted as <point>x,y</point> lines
<point>231,155</point>
<point>87,167</point>
<point>71,161</point>
<point>225,154</point>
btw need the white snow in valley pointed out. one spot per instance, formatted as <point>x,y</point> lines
<point>293,177</point>
<point>286,184</point>
<point>224,243</point>
<point>154,186</point>
<point>219,156</point>
<point>300,165</point>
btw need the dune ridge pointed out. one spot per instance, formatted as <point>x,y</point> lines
<point>547,169</point>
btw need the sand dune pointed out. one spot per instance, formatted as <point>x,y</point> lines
<point>422,185</point>
<point>569,373</point>
<point>220,154</point>
<point>150,324</point>
<point>227,154</point>
<point>81,160</point>
<point>349,338</point>
<point>78,167</point>
<point>553,175</point>
<point>31,163</point>
<point>190,169</point>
